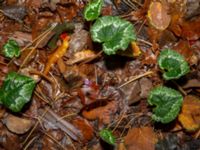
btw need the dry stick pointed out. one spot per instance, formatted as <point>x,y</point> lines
<point>70,141</point>
<point>38,37</point>
<point>33,129</point>
<point>122,117</point>
<point>3,63</point>
<point>141,27</point>
<point>51,137</point>
<point>180,88</point>
<point>37,94</point>
<point>197,135</point>
<point>144,41</point>
<point>36,45</point>
<point>136,78</point>
<point>30,142</point>
<point>45,77</point>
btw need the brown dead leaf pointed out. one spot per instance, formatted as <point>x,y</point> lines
<point>190,113</point>
<point>18,125</point>
<point>191,29</point>
<point>81,56</point>
<point>140,139</point>
<point>102,113</point>
<point>184,48</point>
<point>158,15</point>
<point>85,128</point>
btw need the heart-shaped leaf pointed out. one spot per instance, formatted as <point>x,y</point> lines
<point>93,10</point>
<point>11,49</point>
<point>16,91</point>
<point>107,136</point>
<point>113,32</point>
<point>174,64</point>
<point>167,101</point>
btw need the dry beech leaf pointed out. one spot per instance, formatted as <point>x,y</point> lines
<point>190,113</point>
<point>85,128</point>
<point>18,125</point>
<point>158,16</point>
<point>102,113</point>
<point>140,139</point>
<point>81,56</point>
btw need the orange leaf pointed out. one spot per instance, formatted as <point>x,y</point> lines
<point>140,139</point>
<point>190,113</point>
<point>158,16</point>
<point>136,49</point>
<point>85,128</point>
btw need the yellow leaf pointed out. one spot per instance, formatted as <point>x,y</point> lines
<point>136,49</point>
<point>190,113</point>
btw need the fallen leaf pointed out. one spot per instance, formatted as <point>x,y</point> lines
<point>140,139</point>
<point>81,56</point>
<point>18,125</point>
<point>184,49</point>
<point>190,113</point>
<point>158,15</point>
<point>135,48</point>
<point>102,113</point>
<point>191,29</point>
<point>85,128</point>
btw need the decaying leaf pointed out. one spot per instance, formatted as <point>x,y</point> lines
<point>158,15</point>
<point>102,113</point>
<point>81,56</point>
<point>140,139</point>
<point>18,125</point>
<point>190,113</point>
<point>85,128</point>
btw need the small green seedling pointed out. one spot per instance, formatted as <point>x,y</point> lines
<point>173,64</point>
<point>93,10</point>
<point>107,136</point>
<point>168,103</point>
<point>11,49</point>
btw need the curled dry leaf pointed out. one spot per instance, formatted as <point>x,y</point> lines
<point>190,113</point>
<point>18,125</point>
<point>158,16</point>
<point>140,139</point>
<point>102,113</point>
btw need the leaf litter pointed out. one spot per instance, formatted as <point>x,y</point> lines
<point>94,81</point>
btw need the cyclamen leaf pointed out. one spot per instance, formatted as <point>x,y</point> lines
<point>113,32</point>
<point>93,10</point>
<point>168,103</point>
<point>174,63</point>
<point>16,91</point>
<point>11,49</point>
<point>107,136</point>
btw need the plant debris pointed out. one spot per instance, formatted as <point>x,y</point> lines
<point>99,74</point>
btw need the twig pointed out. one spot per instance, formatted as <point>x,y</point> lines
<point>136,78</point>
<point>33,129</point>
<point>180,88</point>
<point>144,41</point>
<point>51,137</point>
<point>30,142</point>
